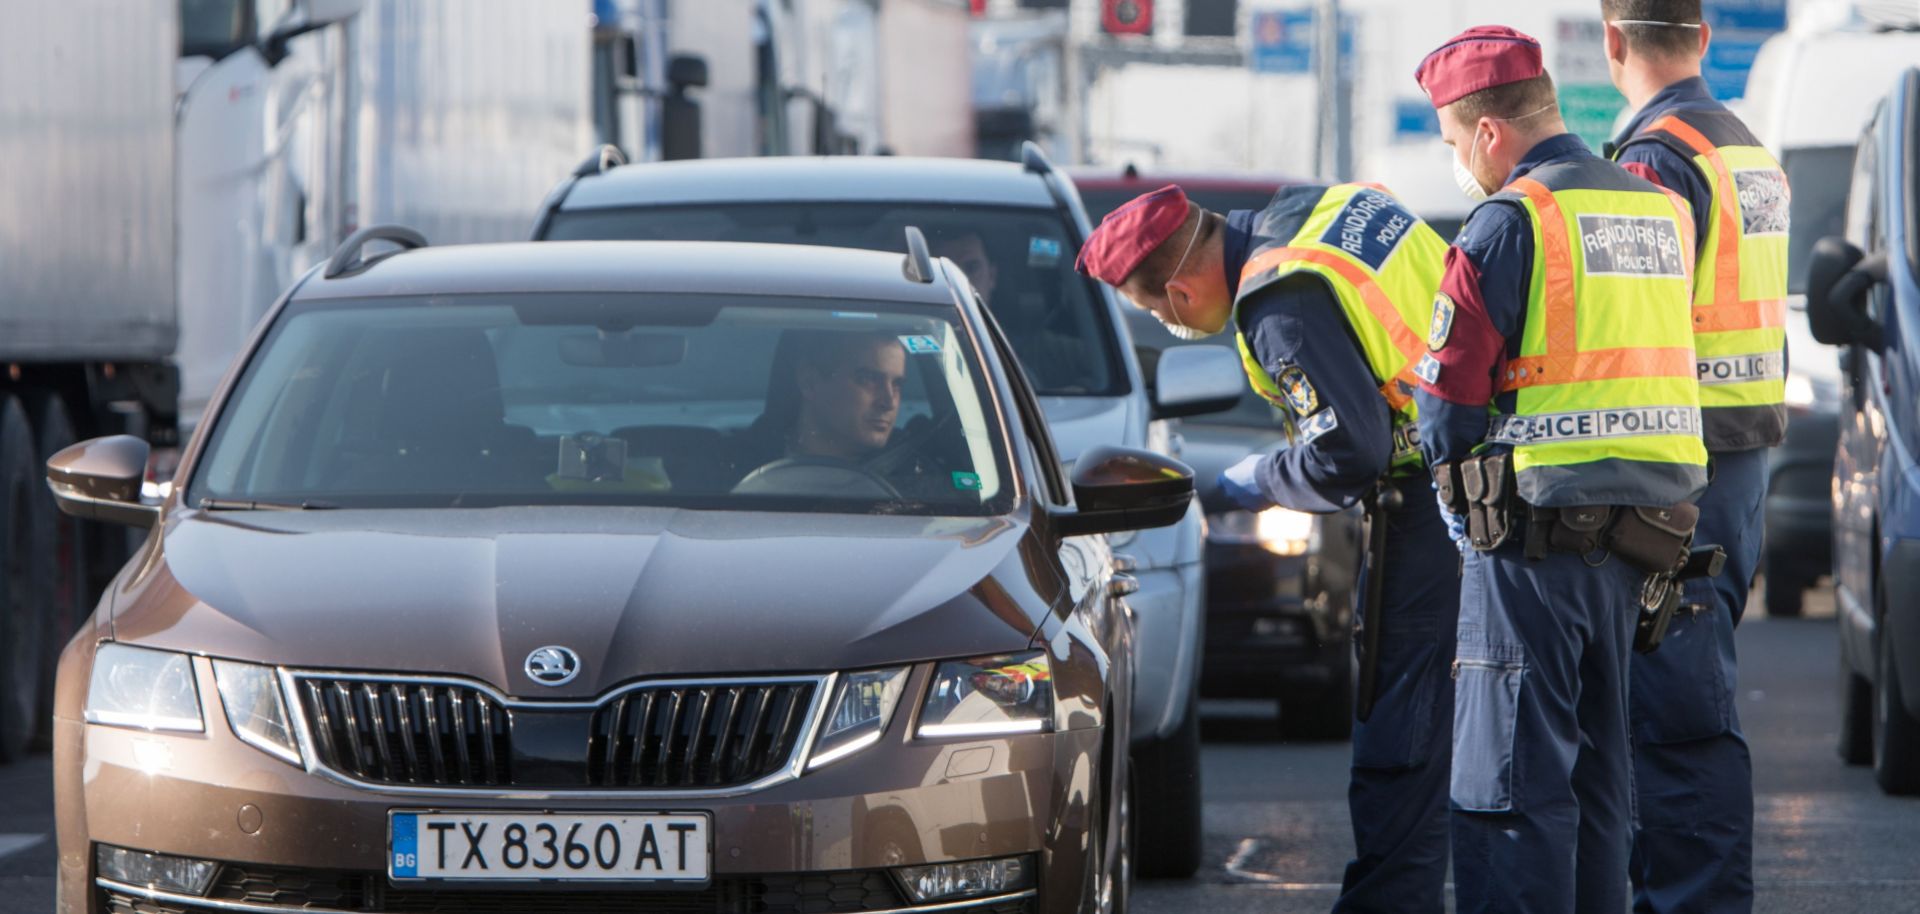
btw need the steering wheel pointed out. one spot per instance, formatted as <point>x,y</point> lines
<point>826,476</point>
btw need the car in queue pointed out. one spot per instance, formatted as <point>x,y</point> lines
<point>1015,229</point>
<point>1863,294</point>
<point>1806,103</point>
<point>718,577</point>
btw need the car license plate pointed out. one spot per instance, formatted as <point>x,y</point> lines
<point>673,847</point>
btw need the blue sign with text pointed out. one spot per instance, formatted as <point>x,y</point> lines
<point>1283,41</point>
<point>1740,27</point>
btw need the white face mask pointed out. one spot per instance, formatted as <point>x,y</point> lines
<point>1463,174</point>
<point>1175,327</point>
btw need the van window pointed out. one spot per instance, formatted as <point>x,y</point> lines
<point>1818,176</point>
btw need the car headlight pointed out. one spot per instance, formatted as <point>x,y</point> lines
<point>1281,531</point>
<point>256,708</point>
<point>143,688</point>
<point>989,696</point>
<point>1800,391</point>
<point>862,704</point>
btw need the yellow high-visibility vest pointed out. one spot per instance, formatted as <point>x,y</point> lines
<point>1607,408</point>
<point>1740,286</point>
<point>1383,265</point>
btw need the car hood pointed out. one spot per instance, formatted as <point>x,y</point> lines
<point>634,592</point>
<point>1079,423</point>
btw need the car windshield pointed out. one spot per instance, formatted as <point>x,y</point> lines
<point>1818,176</point>
<point>1019,260</point>
<point>705,402</point>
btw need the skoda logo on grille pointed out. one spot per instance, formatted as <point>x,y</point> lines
<point>553,665</point>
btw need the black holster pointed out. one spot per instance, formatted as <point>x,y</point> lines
<point>1482,489</point>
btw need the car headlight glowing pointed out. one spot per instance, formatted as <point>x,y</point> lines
<point>862,704</point>
<point>256,708</point>
<point>1281,531</point>
<point>989,696</point>
<point>144,689</point>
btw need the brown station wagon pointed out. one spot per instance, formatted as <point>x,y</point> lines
<point>596,577</point>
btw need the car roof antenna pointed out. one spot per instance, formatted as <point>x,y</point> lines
<point>918,265</point>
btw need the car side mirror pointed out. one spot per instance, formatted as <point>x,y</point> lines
<point>100,480</point>
<point>1839,277</point>
<point>1195,380</point>
<point>1117,489</point>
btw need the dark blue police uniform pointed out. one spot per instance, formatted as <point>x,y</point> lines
<point>1693,774</point>
<point>1397,795</point>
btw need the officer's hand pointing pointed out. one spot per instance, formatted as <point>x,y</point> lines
<point>1241,483</point>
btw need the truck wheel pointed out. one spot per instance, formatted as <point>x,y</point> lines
<point>1896,735</point>
<point>1786,592</point>
<point>22,600</point>
<point>1325,713</point>
<point>71,589</point>
<point>1169,810</point>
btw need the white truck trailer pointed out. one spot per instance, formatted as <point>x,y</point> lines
<point>168,167</point>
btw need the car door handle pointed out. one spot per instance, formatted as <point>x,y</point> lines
<point>1122,585</point>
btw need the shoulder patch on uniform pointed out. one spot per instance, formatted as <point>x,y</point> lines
<point>1298,390</point>
<point>1370,227</point>
<point>1318,424</point>
<point>1442,324</point>
<point>1428,369</point>
<point>1764,201</point>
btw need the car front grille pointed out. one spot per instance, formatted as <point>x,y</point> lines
<point>690,738</point>
<point>667,736</point>
<point>392,732</point>
<point>845,892</point>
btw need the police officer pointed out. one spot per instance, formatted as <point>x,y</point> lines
<point>1693,849</point>
<point>1329,290</point>
<point>1563,307</point>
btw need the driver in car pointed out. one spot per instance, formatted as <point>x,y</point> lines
<point>849,397</point>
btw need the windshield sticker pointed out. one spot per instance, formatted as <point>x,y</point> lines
<point>857,315</point>
<point>1369,228</point>
<point>1442,325</point>
<point>921,345</point>
<point>1318,424</point>
<point>1647,246</point>
<point>1298,390</point>
<point>966,482</point>
<point>1764,198</point>
<point>1043,252</point>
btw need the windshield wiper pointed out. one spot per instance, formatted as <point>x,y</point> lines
<point>230,504</point>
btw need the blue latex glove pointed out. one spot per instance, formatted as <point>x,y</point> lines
<point>1241,483</point>
<point>1456,523</point>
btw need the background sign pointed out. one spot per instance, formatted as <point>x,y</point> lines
<point>1739,28</point>
<point>1283,41</point>
<point>1588,100</point>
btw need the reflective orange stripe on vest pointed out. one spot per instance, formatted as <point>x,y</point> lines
<point>1727,312</point>
<point>1563,362</point>
<point>1398,389</point>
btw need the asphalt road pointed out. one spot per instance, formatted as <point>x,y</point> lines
<point>1277,827</point>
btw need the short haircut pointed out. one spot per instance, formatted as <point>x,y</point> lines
<point>829,350</point>
<point>1156,270</point>
<point>1657,41</point>
<point>1526,98</point>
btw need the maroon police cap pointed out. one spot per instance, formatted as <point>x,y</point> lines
<point>1130,233</point>
<point>1479,58</point>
